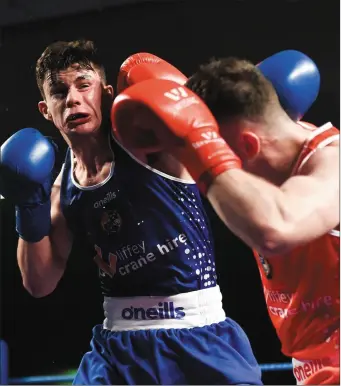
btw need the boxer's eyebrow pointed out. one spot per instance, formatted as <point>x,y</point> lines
<point>54,81</point>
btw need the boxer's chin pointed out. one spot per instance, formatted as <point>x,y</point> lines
<point>86,127</point>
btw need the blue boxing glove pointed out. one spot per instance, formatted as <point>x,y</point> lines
<point>26,163</point>
<point>295,78</point>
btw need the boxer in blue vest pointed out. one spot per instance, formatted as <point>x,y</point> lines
<point>142,213</point>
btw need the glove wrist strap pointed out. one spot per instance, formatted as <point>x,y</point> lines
<point>33,222</point>
<point>210,156</point>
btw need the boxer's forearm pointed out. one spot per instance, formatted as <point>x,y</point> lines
<point>40,269</point>
<point>42,264</point>
<point>253,209</point>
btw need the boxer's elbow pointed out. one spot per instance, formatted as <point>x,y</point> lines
<point>275,239</point>
<point>38,289</point>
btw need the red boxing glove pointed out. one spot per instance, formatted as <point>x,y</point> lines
<point>135,69</point>
<point>143,66</point>
<point>181,123</point>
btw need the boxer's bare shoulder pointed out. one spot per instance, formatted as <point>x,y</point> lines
<point>317,183</point>
<point>324,160</point>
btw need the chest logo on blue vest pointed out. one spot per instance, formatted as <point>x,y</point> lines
<point>105,200</point>
<point>111,221</point>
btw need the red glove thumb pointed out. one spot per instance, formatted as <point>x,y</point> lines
<point>144,66</point>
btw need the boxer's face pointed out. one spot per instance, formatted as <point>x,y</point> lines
<point>74,100</point>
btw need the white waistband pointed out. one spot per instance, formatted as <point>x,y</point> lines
<point>192,309</point>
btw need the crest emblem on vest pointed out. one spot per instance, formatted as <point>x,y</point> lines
<point>266,267</point>
<point>111,221</point>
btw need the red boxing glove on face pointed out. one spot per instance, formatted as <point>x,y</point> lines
<point>143,66</point>
<point>181,123</point>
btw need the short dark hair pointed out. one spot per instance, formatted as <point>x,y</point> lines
<point>61,55</point>
<point>232,88</point>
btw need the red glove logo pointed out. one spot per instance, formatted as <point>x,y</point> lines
<point>176,94</point>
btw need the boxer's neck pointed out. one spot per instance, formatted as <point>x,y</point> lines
<point>91,154</point>
<point>281,156</point>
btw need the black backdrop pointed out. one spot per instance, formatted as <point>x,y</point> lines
<point>50,334</point>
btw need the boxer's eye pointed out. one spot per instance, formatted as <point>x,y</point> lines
<point>58,92</point>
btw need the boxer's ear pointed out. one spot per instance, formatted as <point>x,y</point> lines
<point>249,144</point>
<point>109,91</point>
<point>107,98</point>
<point>42,106</point>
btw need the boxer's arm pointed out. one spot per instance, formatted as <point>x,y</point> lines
<point>42,264</point>
<point>274,220</point>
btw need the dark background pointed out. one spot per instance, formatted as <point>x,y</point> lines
<point>51,334</point>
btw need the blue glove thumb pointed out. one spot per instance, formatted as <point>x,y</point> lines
<point>295,78</point>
